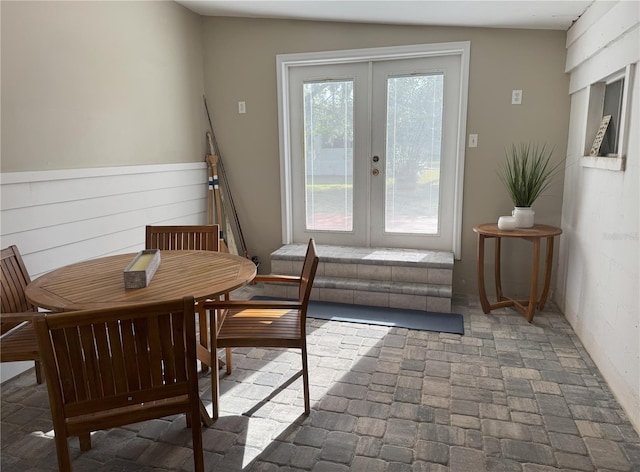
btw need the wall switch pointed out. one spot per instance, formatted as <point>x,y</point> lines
<point>516,97</point>
<point>473,140</point>
<point>242,107</point>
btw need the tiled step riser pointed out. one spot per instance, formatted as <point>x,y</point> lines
<point>418,280</point>
<point>422,275</point>
<point>360,297</point>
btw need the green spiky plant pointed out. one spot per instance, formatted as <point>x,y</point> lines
<point>527,172</point>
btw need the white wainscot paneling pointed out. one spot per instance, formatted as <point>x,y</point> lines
<point>61,217</point>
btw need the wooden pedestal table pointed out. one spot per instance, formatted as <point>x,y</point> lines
<point>534,235</point>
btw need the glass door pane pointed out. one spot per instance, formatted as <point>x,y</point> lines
<point>413,150</point>
<point>328,155</point>
<point>415,130</point>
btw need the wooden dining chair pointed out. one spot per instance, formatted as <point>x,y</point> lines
<point>190,237</point>
<point>186,237</point>
<point>265,323</point>
<point>116,366</point>
<point>17,337</point>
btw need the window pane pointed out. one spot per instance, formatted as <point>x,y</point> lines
<point>414,142</point>
<point>328,153</point>
<point>612,106</point>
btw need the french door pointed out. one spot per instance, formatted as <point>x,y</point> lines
<point>374,151</point>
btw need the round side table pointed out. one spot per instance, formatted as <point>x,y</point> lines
<point>534,234</point>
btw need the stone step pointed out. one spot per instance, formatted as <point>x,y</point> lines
<point>397,278</point>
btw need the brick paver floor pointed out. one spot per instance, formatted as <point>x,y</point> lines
<point>506,396</point>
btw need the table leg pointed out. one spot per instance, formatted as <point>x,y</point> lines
<point>497,270</point>
<point>482,293</point>
<point>547,273</point>
<point>533,292</point>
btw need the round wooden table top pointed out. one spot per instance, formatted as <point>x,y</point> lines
<point>537,231</point>
<point>99,283</point>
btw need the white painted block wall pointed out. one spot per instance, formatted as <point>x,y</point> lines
<point>598,276</point>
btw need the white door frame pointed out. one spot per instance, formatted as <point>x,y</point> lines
<point>286,61</point>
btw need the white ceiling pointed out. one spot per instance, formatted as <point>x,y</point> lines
<point>537,14</point>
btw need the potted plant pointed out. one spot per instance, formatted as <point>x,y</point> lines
<point>527,172</point>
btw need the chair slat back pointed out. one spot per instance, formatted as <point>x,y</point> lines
<point>308,274</point>
<point>14,280</point>
<point>191,237</point>
<point>118,357</point>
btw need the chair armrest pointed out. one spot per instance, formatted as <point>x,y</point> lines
<point>277,278</point>
<point>253,305</point>
<point>12,322</point>
<point>20,317</point>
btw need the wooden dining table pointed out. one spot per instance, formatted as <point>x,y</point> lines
<point>99,283</point>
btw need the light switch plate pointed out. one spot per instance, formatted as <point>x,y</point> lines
<point>516,97</point>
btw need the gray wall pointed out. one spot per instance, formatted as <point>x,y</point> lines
<point>239,65</point>
<point>93,84</point>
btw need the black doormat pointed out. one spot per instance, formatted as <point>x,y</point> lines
<point>393,317</point>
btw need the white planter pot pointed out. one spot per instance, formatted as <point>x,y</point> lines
<point>524,217</point>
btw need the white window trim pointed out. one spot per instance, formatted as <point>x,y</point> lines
<point>594,115</point>
<point>286,61</point>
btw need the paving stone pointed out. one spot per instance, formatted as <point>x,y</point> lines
<point>518,387</point>
<point>521,373</point>
<point>333,403</point>
<point>473,439</point>
<point>464,421</point>
<point>492,411</point>
<point>607,454</point>
<point>368,446</point>
<point>567,443</point>
<point>164,455</point>
<point>371,427</point>
<point>279,452</point>
<point>560,424</point>
<point>333,421</point>
<point>526,418</point>
<point>433,452</point>
<point>574,461</point>
<point>367,464</point>
<point>464,407</point>
<point>410,411</point>
<point>464,459</point>
<point>304,457</point>
<point>339,447</point>
<point>407,395</point>
<point>325,466</point>
<point>505,429</point>
<point>495,464</point>
<point>539,468</point>
<point>491,446</point>
<point>450,435</point>
<point>542,386</point>
<point>528,405</point>
<point>552,405</point>
<point>527,452</point>
<point>368,409</point>
<point>600,415</point>
<point>400,432</point>
<point>391,453</point>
